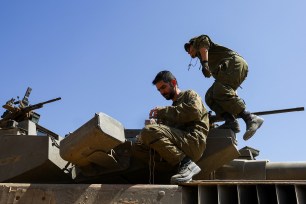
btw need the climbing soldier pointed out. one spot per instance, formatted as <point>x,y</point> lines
<point>229,70</point>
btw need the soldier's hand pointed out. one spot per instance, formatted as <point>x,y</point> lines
<point>154,112</point>
<point>206,72</point>
<point>150,121</point>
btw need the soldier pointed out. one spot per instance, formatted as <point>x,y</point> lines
<point>178,132</point>
<point>229,70</point>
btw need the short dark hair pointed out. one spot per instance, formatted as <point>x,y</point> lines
<point>165,76</point>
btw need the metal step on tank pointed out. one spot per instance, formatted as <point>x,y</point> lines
<point>202,191</point>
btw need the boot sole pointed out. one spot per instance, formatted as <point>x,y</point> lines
<point>247,135</point>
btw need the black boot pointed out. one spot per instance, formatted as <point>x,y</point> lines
<point>253,122</point>
<point>230,123</point>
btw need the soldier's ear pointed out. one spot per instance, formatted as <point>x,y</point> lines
<point>173,82</point>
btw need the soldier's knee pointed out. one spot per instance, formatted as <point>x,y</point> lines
<point>148,134</point>
<point>147,130</point>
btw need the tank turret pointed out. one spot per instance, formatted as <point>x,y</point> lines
<point>28,151</point>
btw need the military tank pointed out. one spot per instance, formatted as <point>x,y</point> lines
<point>94,164</point>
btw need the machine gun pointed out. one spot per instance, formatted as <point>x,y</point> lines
<point>216,118</point>
<point>21,110</point>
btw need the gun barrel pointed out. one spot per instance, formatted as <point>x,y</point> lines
<point>215,118</point>
<point>52,100</point>
<point>40,105</point>
<point>279,111</point>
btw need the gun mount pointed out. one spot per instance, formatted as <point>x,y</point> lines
<point>23,111</point>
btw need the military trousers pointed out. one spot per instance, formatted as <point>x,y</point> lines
<point>222,95</point>
<point>170,143</point>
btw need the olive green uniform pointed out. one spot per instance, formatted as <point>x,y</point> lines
<point>229,70</point>
<point>183,130</point>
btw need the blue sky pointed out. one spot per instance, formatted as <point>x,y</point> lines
<point>101,56</point>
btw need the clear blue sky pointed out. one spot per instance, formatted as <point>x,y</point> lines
<point>101,56</point>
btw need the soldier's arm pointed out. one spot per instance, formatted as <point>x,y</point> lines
<point>202,45</point>
<point>204,53</point>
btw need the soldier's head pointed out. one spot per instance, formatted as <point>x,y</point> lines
<point>190,49</point>
<point>166,84</point>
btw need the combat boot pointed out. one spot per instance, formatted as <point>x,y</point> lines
<point>253,122</point>
<point>185,172</point>
<point>230,123</point>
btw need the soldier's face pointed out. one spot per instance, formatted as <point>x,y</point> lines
<point>165,89</point>
<point>192,52</point>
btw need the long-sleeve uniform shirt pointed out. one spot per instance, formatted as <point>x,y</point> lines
<point>183,129</point>
<point>229,69</point>
<point>187,113</point>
